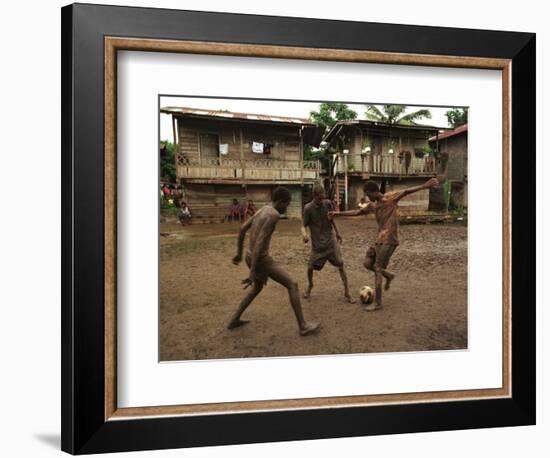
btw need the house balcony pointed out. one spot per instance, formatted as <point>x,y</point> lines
<point>222,170</point>
<point>386,164</point>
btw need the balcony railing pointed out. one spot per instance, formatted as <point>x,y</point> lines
<point>386,164</point>
<point>263,169</point>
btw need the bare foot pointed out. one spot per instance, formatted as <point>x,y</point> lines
<point>237,323</point>
<point>388,281</point>
<point>307,293</point>
<point>373,307</point>
<point>349,299</point>
<point>310,329</point>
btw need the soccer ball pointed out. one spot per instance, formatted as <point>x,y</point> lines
<point>366,294</point>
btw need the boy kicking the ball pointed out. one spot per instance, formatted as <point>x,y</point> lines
<point>384,206</point>
<point>262,266</point>
<point>324,239</point>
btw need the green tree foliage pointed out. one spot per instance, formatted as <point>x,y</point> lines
<point>167,161</point>
<point>395,114</point>
<point>331,112</point>
<point>457,117</point>
<point>327,116</point>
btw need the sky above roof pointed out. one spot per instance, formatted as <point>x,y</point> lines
<point>274,107</point>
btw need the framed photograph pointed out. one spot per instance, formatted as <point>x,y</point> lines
<point>284,228</point>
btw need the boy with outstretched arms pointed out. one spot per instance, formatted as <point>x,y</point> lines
<point>384,207</point>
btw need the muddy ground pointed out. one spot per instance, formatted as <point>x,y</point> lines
<point>425,309</point>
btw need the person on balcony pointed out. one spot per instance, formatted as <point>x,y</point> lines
<point>407,156</point>
<point>384,207</point>
<point>325,239</point>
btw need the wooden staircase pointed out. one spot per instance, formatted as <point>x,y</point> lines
<point>339,192</point>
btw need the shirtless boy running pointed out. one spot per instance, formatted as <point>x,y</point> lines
<point>324,239</point>
<point>384,206</point>
<point>261,264</point>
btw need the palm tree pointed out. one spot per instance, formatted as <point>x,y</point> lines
<point>395,114</point>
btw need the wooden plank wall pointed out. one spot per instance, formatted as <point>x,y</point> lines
<point>286,140</point>
<point>381,145</point>
<point>211,202</point>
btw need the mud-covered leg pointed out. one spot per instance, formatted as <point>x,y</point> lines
<point>389,277</point>
<point>370,258</point>
<point>247,300</point>
<point>378,284</point>
<point>377,290</point>
<point>281,277</point>
<point>369,263</point>
<point>344,278</point>
<point>383,263</point>
<point>307,294</point>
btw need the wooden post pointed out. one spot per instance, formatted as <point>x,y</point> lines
<point>346,182</point>
<point>284,163</point>
<point>372,158</point>
<point>174,131</point>
<point>200,147</point>
<point>242,155</point>
<point>337,182</point>
<point>301,156</point>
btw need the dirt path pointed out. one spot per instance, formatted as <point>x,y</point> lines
<point>426,308</point>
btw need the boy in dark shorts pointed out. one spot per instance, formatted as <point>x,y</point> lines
<point>324,239</point>
<point>384,206</point>
<point>261,264</point>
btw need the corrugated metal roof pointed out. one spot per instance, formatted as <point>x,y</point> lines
<point>234,115</point>
<point>450,133</point>
<point>364,122</point>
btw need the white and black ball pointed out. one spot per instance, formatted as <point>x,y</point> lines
<point>366,294</point>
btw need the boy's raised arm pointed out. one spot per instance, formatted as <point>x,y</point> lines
<point>361,211</point>
<point>431,183</point>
